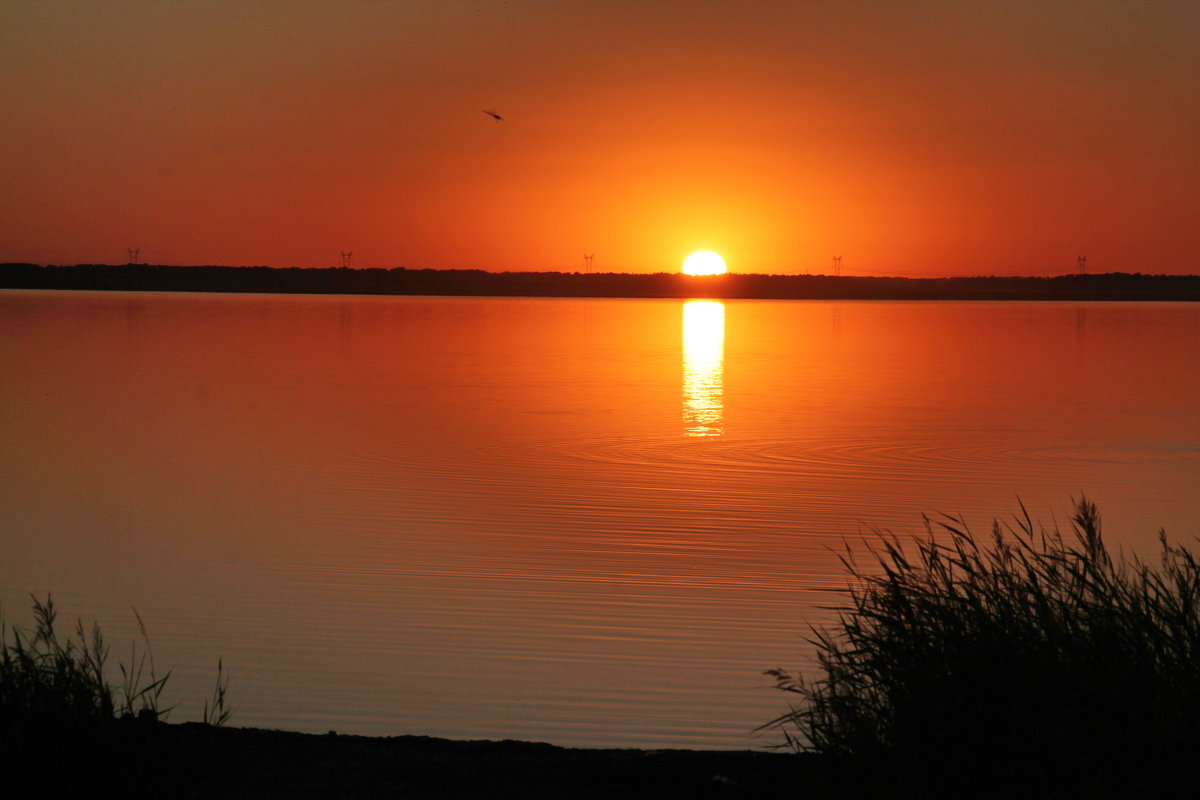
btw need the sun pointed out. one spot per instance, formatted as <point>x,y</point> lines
<point>704,262</point>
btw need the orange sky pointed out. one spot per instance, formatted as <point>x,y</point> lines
<point>912,138</point>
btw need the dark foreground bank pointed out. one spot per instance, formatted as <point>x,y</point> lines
<point>138,758</point>
<point>143,759</point>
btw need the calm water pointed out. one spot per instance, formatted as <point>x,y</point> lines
<point>591,522</point>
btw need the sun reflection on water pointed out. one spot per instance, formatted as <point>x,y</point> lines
<point>703,367</point>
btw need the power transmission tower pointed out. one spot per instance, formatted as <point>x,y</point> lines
<point>588,260</point>
<point>1082,264</point>
<point>837,266</point>
<point>135,255</point>
<point>347,259</point>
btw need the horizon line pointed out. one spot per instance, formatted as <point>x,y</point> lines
<point>576,273</point>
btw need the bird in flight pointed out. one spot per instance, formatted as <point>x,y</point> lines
<point>493,115</point>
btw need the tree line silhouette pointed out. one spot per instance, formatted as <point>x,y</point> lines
<point>476,282</point>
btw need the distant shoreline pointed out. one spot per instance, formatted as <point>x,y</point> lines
<point>1116,286</point>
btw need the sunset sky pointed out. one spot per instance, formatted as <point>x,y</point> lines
<point>912,138</point>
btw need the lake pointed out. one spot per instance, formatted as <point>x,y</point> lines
<point>588,522</point>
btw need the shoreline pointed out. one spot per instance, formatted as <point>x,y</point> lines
<point>134,758</point>
<point>1117,286</point>
<point>192,759</point>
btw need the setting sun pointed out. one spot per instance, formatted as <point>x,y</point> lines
<point>704,262</point>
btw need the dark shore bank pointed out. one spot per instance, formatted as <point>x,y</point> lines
<point>400,281</point>
<point>138,759</point>
<point>152,759</point>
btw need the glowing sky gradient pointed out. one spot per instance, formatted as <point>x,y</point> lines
<point>912,138</point>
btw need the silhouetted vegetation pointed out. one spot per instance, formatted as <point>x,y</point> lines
<point>473,282</point>
<point>48,679</point>
<point>67,730</point>
<point>1032,658</point>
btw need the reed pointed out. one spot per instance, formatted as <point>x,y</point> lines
<point>216,710</point>
<point>48,679</point>
<point>1028,649</point>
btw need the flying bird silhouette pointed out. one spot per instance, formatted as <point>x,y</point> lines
<point>493,115</point>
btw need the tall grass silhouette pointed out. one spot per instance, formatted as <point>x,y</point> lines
<point>47,678</point>
<point>72,727</point>
<point>1028,649</point>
